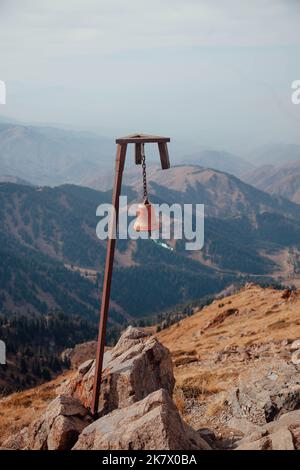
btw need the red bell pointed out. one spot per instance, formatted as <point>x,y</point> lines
<point>146,220</point>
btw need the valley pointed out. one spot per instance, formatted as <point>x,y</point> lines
<point>52,262</point>
<point>56,227</point>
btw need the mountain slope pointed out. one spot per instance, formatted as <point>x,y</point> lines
<point>283,180</point>
<point>221,344</point>
<point>242,340</point>
<point>223,194</point>
<point>54,259</point>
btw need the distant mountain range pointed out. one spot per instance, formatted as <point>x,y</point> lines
<point>50,156</point>
<point>43,155</point>
<point>274,154</point>
<point>220,160</point>
<point>52,259</point>
<point>277,170</point>
<point>14,179</point>
<point>223,194</point>
<point>283,180</point>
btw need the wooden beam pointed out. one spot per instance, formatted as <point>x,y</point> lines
<point>164,155</point>
<point>138,154</point>
<point>142,138</point>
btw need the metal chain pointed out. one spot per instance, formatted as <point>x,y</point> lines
<point>144,174</point>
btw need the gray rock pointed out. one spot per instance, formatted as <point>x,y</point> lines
<point>288,419</point>
<point>282,434</point>
<point>295,430</point>
<point>254,436</point>
<point>85,366</point>
<point>57,429</point>
<point>266,391</point>
<point>136,366</point>
<point>282,440</point>
<point>262,444</point>
<point>243,425</point>
<point>150,424</point>
<point>295,345</point>
<point>130,337</point>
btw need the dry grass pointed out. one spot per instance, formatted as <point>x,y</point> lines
<point>19,409</point>
<point>179,400</point>
<point>216,405</point>
<point>257,316</point>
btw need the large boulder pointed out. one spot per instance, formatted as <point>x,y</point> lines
<point>57,429</point>
<point>281,434</point>
<point>136,366</point>
<point>266,391</point>
<point>150,424</point>
<point>136,408</point>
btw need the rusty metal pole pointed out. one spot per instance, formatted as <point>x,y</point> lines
<point>111,243</point>
<point>138,140</point>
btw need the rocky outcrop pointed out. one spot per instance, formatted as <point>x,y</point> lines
<point>152,423</point>
<point>282,434</point>
<point>135,404</point>
<point>265,407</point>
<point>137,366</point>
<point>137,411</point>
<point>266,391</point>
<point>57,429</point>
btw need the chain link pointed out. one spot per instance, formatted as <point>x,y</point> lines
<point>144,174</point>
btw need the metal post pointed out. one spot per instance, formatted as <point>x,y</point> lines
<point>111,243</point>
<point>139,140</point>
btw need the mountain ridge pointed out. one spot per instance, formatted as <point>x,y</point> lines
<point>283,180</point>
<point>50,156</point>
<point>223,194</point>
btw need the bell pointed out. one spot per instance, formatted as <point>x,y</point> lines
<point>146,220</point>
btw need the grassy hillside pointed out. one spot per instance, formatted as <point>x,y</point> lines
<point>213,348</point>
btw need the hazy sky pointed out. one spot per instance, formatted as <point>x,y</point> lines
<point>217,72</point>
